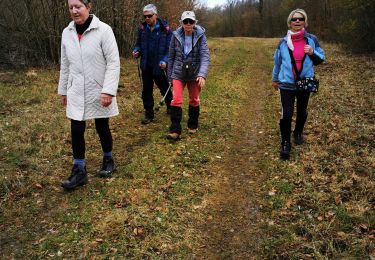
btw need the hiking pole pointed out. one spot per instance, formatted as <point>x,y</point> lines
<point>139,73</point>
<point>162,101</point>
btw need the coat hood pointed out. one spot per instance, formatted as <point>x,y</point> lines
<point>163,25</point>
<point>198,31</point>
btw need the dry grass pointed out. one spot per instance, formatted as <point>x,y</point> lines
<point>318,205</point>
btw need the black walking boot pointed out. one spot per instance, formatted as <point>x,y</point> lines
<point>285,129</point>
<point>168,110</point>
<point>149,117</point>
<point>175,128</point>
<point>298,130</point>
<point>78,177</point>
<point>298,138</point>
<point>193,119</point>
<point>285,150</point>
<point>108,167</point>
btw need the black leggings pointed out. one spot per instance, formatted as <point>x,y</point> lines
<point>78,136</point>
<point>287,101</point>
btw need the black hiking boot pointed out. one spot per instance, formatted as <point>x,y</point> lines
<point>175,128</point>
<point>285,150</point>
<point>147,120</point>
<point>149,117</point>
<point>108,167</point>
<point>193,119</point>
<point>78,177</point>
<point>298,138</point>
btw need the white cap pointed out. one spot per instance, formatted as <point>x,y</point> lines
<point>150,8</point>
<point>188,15</point>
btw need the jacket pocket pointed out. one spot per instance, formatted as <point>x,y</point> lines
<point>70,82</point>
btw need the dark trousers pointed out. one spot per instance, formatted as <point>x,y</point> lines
<point>288,98</point>
<point>148,88</point>
<point>78,136</point>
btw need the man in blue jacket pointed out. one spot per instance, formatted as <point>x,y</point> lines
<point>154,36</point>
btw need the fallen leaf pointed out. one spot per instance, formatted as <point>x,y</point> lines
<point>272,192</point>
<point>138,231</point>
<point>363,227</point>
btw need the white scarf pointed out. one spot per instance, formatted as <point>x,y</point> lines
<point>289,41</point>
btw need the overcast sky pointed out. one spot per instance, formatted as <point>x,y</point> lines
<point>213,3</point>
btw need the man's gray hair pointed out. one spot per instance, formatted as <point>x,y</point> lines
<point>150,8</point>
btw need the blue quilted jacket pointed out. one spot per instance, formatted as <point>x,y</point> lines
<point>200,54</point>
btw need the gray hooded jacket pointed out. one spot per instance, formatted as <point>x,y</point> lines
<point>200,55</point>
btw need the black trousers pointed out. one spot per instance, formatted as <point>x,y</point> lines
<point>148,88</point>
<point>78,136</point>
<point>288,98</point>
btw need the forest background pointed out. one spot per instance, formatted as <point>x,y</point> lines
<point>30,30</point>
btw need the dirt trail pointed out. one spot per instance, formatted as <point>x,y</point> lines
<point>233,208</point>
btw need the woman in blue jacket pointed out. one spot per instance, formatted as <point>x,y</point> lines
<point>302,48</point>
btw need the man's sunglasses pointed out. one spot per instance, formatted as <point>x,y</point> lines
<point>148,15</point>
<point>301,19</point>
<point>188,21</point>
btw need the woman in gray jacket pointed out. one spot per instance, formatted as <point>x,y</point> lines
<point>188,62</point>
<point>89,76</point>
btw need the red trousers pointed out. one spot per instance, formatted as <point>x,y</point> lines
<point>178,93</point>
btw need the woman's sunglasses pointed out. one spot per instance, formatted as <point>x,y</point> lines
<point>148,16</point>
<point>301,19</point>
<point>188,21</point>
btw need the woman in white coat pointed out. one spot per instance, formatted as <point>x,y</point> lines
<point>89,76</point>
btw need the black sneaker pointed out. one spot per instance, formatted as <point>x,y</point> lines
<point>298,138</point>
<point>78,177</point>
<point>147,120</point>
<point>108,167</point>
<point>285,150</point>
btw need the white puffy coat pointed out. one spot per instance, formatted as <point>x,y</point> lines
<point>89,67</point>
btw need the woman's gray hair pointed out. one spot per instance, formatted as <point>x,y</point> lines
<point>86,2</point>
<point>300,11</point>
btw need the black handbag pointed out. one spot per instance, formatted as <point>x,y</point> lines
<point>307,84</point>
<point>188,70</point>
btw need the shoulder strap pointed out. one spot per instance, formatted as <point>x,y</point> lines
<point>298,72</point>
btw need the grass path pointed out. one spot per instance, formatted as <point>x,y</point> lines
<point>220,194</point>
<point>233,212</point>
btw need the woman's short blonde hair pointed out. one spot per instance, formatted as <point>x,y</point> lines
<point>300,11</point>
